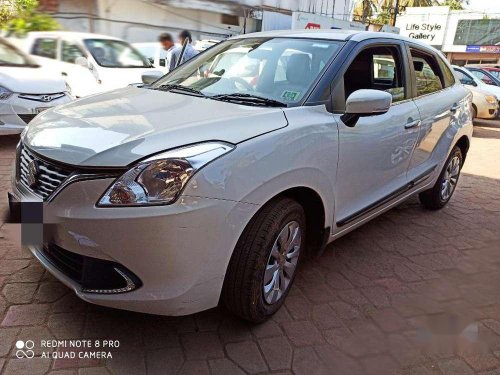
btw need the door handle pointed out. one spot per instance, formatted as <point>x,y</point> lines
<point>64,74</point>
<point>454,108</point>
<point>413,124</point>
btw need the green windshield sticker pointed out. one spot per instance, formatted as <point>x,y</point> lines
<point>290,95</point>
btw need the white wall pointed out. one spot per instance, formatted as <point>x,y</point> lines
<point>140,21</point>
<point>340,9</point>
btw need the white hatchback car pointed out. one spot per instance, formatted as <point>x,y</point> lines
<point>485,101</point>
<point>207,186</point>
<point>89,63</point>
<point>26,89</point>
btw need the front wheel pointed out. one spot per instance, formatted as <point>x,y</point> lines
<point>264,262</point>
<point>440,194</point>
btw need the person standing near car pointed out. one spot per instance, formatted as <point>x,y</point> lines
<point>167,42</point>
<point>187,50</point>
<point>177,55</point>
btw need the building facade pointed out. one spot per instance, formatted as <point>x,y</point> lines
<point>143,20</point>
<point>466,37</point>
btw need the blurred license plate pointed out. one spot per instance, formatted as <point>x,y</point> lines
<point>41,109</point>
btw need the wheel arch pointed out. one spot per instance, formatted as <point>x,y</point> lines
<point>317,233</point>
<point>315,211</point>
<point>463,143</point>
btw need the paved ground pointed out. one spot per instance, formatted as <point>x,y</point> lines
<point>412,292</point>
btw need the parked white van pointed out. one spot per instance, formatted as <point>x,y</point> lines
<point>90,63</point>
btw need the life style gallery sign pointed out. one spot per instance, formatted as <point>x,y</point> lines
<point>427,24</point>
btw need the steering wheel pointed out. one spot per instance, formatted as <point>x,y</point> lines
<point>240,81</point>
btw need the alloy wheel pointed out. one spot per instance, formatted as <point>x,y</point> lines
<point>282,262</point>
<point>450,178</point>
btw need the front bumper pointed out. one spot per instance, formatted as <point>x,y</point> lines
<point>487,110</point>
<point>16,112</point>
<point>178,252</point>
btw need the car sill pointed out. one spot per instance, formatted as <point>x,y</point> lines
<point>377,204</point>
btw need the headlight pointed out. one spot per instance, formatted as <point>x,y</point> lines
<point>160,179</point>
<point>5,93</point>
<point>491,99</point>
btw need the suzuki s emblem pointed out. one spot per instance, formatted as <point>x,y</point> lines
<point>33,172</point>
<point>46,98</point>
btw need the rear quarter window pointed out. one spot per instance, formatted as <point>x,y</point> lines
<point>449,77</point>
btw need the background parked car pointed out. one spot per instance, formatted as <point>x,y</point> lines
<point>25,89</point>
<point>469,79</point>
<point>90,63</point>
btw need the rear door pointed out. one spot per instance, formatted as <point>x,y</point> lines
<point>439,102</point>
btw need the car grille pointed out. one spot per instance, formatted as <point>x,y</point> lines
<point>26,118</point>
<point>48,177</point>
<point>44,98</point>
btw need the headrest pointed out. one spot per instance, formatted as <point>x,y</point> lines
<point>298,69</point>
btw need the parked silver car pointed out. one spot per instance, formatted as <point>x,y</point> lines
<point>211,185</point>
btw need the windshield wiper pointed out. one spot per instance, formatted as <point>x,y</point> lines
<point>170,87</point>
<point>248,99</point>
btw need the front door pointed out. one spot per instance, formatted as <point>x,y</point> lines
<point>374,154</point>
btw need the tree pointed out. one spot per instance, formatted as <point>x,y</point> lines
<point>382,11</point>
<point>456,4</point>
<point>364,10</point>
<point>21,16</point>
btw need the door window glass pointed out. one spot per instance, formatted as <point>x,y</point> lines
<point>70,52</point>
<point>377,68</point>
<point>112,53</point>
<point>427,73</point>
<point>45,47</point>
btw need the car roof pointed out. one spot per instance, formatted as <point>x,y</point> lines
<point>71,34</point>
<point>331,34</point>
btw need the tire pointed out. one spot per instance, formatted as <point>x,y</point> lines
<point>474,112</point>
<point>243,292</point>
<point>436,198</point>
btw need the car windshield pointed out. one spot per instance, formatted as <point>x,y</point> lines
<point>271,70</point>
<point>495,73</point>
<point>111,53</point>
<point>11,56</point>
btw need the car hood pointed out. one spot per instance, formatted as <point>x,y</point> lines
<point>30,80</point>
<point>494,90</point>
<point>117,128</point>
<point>476,91</point>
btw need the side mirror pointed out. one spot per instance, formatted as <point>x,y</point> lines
<point>469,82</point>
<point>82,61</point>
<point>151,76</point>
<point>365,102</point>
